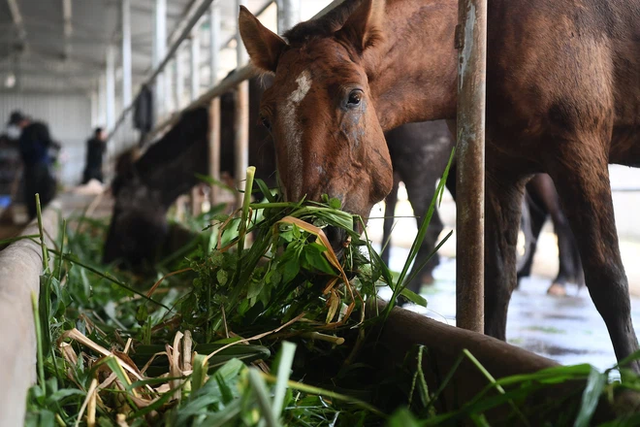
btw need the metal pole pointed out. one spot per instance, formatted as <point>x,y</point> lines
<point>214,43</point>
<point>127,70</point>
<point>126,54</point>
<point>214,107</point>
<point>196,200</point>
<point>179,79</point>
<point>169,99</point>
<point>288,14</point>
<point>111,87</point>
<point>93,96</point>
<point>159,49</point>
<point>195,65</point>
<point>241,125</point>
<point>102,101</point>
<point>472,45</point>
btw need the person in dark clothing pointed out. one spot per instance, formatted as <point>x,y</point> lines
<point>96,146</point>
<point>35,144</point>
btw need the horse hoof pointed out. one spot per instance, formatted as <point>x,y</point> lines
<point>557,290</point>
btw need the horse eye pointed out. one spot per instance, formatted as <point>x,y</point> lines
<point>354,98</point>
<point>265,122</point>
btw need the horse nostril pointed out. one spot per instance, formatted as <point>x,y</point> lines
<point>337,237</point>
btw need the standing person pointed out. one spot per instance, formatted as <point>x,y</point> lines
<point>96,146</point>
<point>34,144</point>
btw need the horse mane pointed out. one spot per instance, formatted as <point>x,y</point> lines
<point>324,26</point>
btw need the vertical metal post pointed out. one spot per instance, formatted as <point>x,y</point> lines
<point>126,54</point>
<point>159,49</point>
<point>196,200</point>
<point>195,65</point>
<point>214,107</point>
<point>214,43</point>
<point>102,101</point>
<point>179,79</point>
<point>94,108</point>
<point>169,75</point>
<point>288,14</point>
<point>111,87</point>
<point>472,44</point>
<point>127,85</point>
<point>241,125</point>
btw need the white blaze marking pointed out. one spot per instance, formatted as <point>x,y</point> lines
<point>293,133</point>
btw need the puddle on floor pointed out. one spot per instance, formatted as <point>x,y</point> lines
<point>566,329</point>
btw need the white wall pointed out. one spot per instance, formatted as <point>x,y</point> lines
<point>69,120</point>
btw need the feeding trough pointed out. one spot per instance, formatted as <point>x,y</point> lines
<point>456,364</point>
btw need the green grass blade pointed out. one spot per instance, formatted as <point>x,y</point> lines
<point>39,343</point>
<point>10,240</point>
<point>200,368</point>
<point>105,276</point>
<point>285,361</point>
<point>260,389</point>
<point>590,397</point>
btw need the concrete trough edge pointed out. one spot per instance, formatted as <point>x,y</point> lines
<point>20,270</point>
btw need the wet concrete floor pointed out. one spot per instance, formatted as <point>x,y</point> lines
<point>566,329</point>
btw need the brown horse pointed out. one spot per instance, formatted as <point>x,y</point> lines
<point>562,98</point>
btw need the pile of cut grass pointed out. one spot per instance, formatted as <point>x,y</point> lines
<point>233,333</point>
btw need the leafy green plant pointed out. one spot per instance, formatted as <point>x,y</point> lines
<point>236,334</point>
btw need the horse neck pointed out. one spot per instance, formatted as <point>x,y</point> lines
<point>413,73</point>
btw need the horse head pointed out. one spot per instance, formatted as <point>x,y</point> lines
<point>138,225</point>
<point>319,109</point>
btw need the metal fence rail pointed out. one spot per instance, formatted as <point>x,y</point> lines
<point>238,75</point>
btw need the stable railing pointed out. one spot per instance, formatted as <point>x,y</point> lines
<point>123,135</point>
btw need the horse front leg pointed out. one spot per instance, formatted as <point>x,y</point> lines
<point>503,202</point>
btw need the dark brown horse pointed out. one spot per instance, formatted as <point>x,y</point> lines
<point>562,98</point>
<point>145,189</point>
<point>543,202</point>
<point>419,152</point>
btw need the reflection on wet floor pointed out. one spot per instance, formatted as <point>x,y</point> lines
<point>566,329</point>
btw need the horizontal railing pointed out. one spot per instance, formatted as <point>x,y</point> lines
<point>236,77</point>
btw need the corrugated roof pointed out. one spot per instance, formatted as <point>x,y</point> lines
<point>43,66</point>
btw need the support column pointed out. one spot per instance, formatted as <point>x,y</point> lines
<point>102,101</point>
<point>111,87</point>
<point>214,43</point>
<point>179,79</point>
<point>93,96</point>
<point>126,54</point>
<point>159,50</point>
<point>127,79</point>
<point>195,65</point>
<point>241,125</point>
<point>471,40</point>
<point>288,14</point>
<point>196,198</point>
<point>214,107</point>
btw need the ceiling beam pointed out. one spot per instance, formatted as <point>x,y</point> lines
<point>147,10</point>
<point>32,72</point>
<point>18,21</point>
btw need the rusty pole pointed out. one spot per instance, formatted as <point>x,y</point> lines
<point>214,106</point>
<point>241,125</point>
<point>471,42</point>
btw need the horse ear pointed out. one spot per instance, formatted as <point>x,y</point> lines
<point>364,27</point>
<point>263,45</point>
